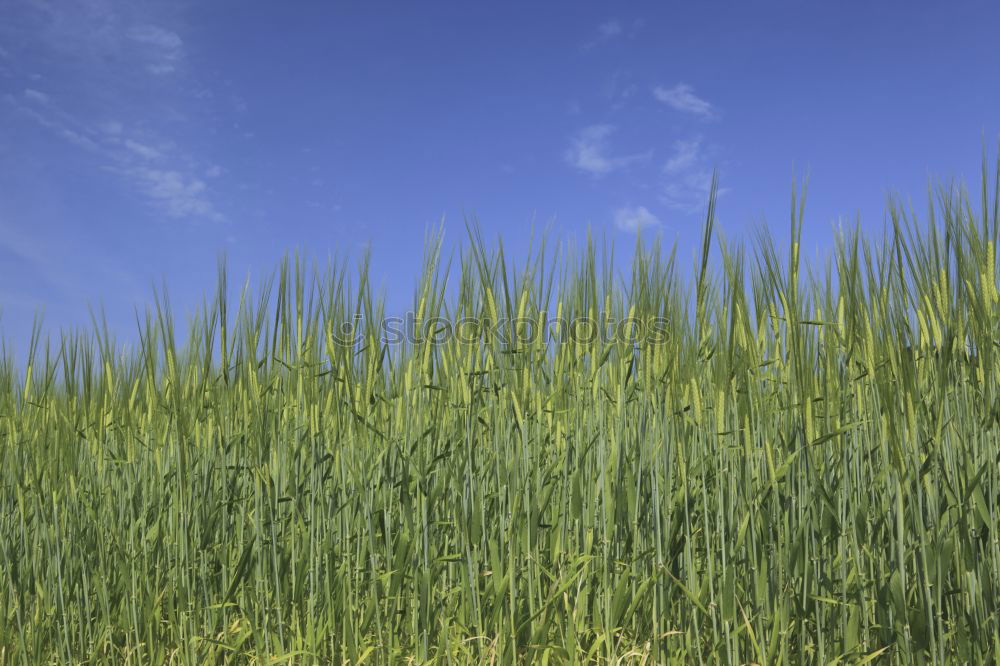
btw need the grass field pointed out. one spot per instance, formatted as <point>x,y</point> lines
<point>802,467</point>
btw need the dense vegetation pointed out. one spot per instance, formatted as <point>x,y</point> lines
<point>806,468</point>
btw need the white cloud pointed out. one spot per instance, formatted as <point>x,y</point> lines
<point>686,154</point>
<point>100,35</point>
<point>105,41</point>
<point>163,48</point>
<point>36,96</point>
<point>682,98</point>
<point>635,219</point>
<point>607,31</point>
<point>180,195</point>
<point>161,68</point>
<point>57,122</point>
<point>619,88</point>
<point>588,152</point>
<point>688,175</point>
<point>142,150</point>
<point>112,127</point>
<point>610,29</point>
<point>688,193</point>
<point>156,36</point>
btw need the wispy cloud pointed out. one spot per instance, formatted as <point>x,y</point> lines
<point>124,123</point>
<point>142,150</point>
<point>610,29</point>
<point>162,48</point>
<point>685,155</point>
<point>688,177</point>
<point>111,127</point>
<point>635,219</point>
<point>687,171</point>
<point>157,37</point>
<point>619,88</point>
<point>51,118</point>
<point>180,195</point>
<point>172,188</point>
<point>606,31</point>
<point>96,35</point>
<point>689,192</point>
<point>613,29</point>
<point>682,98</point>
<point>36,96</point>
<point>588,152</point>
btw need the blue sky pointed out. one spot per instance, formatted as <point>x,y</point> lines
<point>138,140</point>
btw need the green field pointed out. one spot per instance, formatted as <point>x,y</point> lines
<point>802,467</point>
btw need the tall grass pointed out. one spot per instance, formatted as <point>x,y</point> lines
<point>806,471</point>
